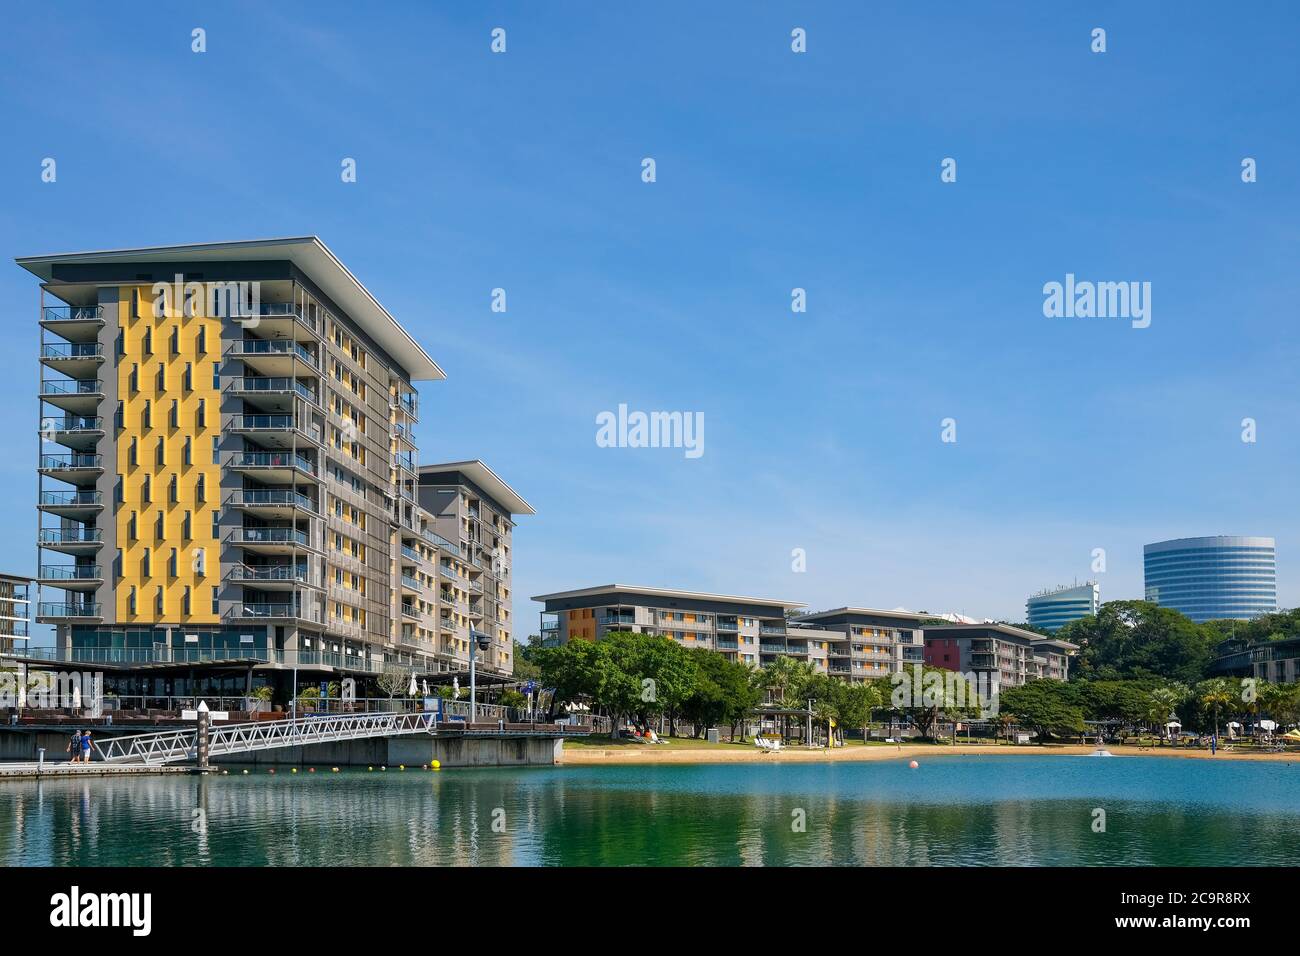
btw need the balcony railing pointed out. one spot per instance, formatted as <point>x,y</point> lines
<point>71,536</point>
<point>269,536</point>
<point>262,611</point>
<point>57,462</point>
<point>66,609</point>
<point>71,499</point>
<point>271,497</point>
<point>270,347</point>
<point>268,573</point>
<point>72,386</point>
<point>72,313</point>
<point>72,350</point>
<point>72,423</point>
<point>271,459</point>
<point>271,383</point>
<point>69,572</point>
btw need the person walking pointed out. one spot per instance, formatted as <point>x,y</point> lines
<point>74,747</point>
<point>85,747</point>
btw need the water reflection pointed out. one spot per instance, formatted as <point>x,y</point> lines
<point>995,811</point>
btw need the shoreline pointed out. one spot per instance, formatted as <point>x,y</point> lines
<point>651,755</point>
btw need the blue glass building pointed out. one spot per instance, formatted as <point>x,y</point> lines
<point>1052,610</point>
<point>1216,578</point>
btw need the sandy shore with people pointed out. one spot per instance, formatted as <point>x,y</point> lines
<point>642,754</point>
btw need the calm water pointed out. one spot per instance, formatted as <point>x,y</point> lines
<point>952,811</point>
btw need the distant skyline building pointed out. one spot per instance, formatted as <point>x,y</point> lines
<point>1051,610</point>
<point>1220,577</point>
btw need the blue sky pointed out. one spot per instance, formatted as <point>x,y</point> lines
<point>774,171</point>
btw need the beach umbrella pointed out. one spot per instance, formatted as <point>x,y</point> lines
<point>1291,735</point>
<point>424,684</point>
<point>414,688</point>
<point>76,696</point>
<point>1269,725</point>
<point>455,687</point>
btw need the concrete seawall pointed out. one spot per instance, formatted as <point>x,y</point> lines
<point>20,744</point>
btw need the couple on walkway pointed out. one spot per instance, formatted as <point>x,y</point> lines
<point>79,747</point>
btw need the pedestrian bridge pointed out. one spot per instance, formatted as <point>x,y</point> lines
<point>181,744</point>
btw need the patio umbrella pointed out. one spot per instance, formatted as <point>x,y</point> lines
<point>1269,725</point>
<point>76,696</point>
<point>424,684</point>
<point>414,688</point>
<point>455,687</point>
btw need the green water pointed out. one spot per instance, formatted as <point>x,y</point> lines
<point>966,811</point>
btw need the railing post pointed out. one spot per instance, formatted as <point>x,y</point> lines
<point>201,738</point>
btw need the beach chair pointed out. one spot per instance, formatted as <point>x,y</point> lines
<point>761,744</point>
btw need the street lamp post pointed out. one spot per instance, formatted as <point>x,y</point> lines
<point>481,640</point>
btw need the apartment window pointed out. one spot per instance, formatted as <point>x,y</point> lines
<point>145,564</point>
<point>175,340</point>
<point>189,377</point>
<point>162,378</point>
<point>202,340</point>
<point>216,522</point>
<point>216,448</point>
<point>130,601</point>
<point>173,414</point>
<point>119,343</point>
<point>146,417</point>
<point>200,489</point>
<point>146,490</point>
<point>171,564</point>
<point>158,601</point>
<point>119,416</point>
<point>216,604</point>
<point>146,342</point>
<point>118,496</point>
<point>130,528</point>
<point>172,488</point>
<point>201,416</point>
<point>158,530</point>
<point>133,380</point>
<point>135,314</point>
<point>216,376</point>
<point>185,527</point>
<point>189,303</point>
<point>187,454</point>
<point>132,453</point>
<point>160,454</point>
<point>185,601</point>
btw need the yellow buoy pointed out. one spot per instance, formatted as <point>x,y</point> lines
<point>436,764</point>
<point>294,770</point>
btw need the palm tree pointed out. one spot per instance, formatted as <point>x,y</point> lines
<point>1214,694</point>
<point>1163,701</point>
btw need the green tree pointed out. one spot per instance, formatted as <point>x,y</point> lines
<point>1044,706</point>
<point>1217,693</point>
<point>1137,639</point>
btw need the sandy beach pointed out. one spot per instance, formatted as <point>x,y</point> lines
<point>645,755</point>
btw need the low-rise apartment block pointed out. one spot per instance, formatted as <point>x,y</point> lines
<point>751,630</point>
<point>1009,656</point>
<point>15,611</point>
<point>876,643</point>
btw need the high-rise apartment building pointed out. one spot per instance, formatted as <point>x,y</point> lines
<point>228,470</point>
<point>1053,609</point>
<point>751,630</point>
<point>1220,577</point>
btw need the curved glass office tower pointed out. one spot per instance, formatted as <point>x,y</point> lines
<point>1214,578</point>
<point>1052,610</point>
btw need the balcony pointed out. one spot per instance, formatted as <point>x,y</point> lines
<point>76,469</point>
<point>276,467</point>
<point>775,630</point>
<point>73,431</point>
<point>275,357</point>
<point>408,405</point>
<point>280,320</point>
<point>89,611</point>
<point>269,392</point>
<point>724,645</point>
<point>271,577</point>
<point>271,502</point>
<point>70,577</point>
<point>271,431</point>
<point>78,396</point>
<point>74,359</point>
<point>411,585</point>
<point>71,540</point>
<point>76,505</point>
<point>269,540</point>
<point>258,611</point>
<point>76,323</point>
